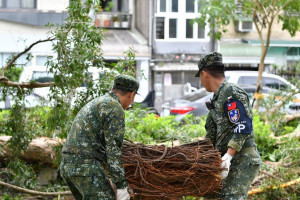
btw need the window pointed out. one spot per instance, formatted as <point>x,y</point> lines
<point>274,83</point>
<point>42,77</point>
<point>266,82</point>
<point>163,6</point>
<point>174,5</point>
<point>201,31</point>
<point>160,27</point>
<point>189,77</point>
<point>172,28</point>
<point>190,6</point>
<point>174,20</point>
<point>189,29</point>
<point>247,80</point>
<point>41,60</point>
<point>26,4</point>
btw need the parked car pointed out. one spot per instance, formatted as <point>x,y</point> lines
<point>246,80</point>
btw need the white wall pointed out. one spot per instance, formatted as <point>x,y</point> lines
<point>14,37</point>
<point>57,5</point>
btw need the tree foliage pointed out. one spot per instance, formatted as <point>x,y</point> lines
<point>77,47</point>
<point>264,13</point>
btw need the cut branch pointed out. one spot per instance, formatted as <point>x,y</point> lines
<point>22,53</point>
<point>8,83</point>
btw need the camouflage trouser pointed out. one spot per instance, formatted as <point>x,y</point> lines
<point>86,179</point>
<point>244,167</point>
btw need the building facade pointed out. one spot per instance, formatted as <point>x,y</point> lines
<point>22,22</point>
<point>177,44</point>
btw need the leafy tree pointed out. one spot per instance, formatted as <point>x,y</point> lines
<point>264,13</point>
<point>77,44</point>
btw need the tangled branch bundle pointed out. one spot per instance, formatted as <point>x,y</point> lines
<point>165,172</point>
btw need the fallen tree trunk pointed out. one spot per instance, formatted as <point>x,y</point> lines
<point>155,171</point>
<point>40,150</point>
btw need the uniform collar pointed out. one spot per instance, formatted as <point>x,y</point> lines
<point>114,96</point>
<point>216,95</point>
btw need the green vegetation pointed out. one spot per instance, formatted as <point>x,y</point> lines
<point>150,129</point>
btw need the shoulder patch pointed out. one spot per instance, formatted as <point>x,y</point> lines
<point>236,113</point>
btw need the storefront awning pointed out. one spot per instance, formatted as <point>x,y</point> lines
<point>242,53</point>
<point>176,67</point>
<point>275,43</point>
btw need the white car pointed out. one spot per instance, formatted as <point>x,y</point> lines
<point>270,82</point>
<point>250,78</point>
<point>246,80</point>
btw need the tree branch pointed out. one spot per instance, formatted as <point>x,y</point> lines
<point>8,83</point>
<point>265,12</point>
<point>21,53</point>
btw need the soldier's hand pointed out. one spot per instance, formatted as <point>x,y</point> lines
<point>122,194</point>
<point>225,164</point>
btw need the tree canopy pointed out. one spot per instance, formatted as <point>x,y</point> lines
<point>264,13</point>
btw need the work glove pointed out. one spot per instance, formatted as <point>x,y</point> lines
<point>225,164</point>
<point>123,194</point>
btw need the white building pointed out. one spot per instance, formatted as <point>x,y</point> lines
<point>22,22</point>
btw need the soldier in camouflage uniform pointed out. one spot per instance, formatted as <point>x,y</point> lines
<point>229,128</point>
<point>94,144</point>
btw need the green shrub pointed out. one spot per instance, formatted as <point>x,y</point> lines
<point>149,129</point>
<point>265,143</point>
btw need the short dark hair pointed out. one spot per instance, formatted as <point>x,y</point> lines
<point>121,92</point>
<point>215,71</point>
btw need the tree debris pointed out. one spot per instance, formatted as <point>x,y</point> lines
<point>163,172</point>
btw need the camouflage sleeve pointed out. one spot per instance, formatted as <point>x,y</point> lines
<point>243,123</point>
<point>211,129</point>
<point>114,132</point>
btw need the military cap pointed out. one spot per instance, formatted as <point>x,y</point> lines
<point>126,83</point>
<point>211,59</point>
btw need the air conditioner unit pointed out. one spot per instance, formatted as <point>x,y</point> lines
<point>244,26</point>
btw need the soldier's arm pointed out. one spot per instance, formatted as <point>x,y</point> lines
<point>238,112</point>
<point>114,133</point>
<point>211,129</point>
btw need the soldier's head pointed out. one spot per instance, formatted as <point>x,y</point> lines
<point>211,68</point>
<point>125,87</point>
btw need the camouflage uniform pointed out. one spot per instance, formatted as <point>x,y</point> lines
<point>95,141</point>
<point>229,124</point>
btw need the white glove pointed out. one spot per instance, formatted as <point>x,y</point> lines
<point>123,194</point>
<point>225,164</point>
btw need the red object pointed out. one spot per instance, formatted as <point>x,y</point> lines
<point>181,110</point>
<point>231,106</point>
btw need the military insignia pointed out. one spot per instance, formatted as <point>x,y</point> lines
<point>234,115</point>
<point>231,105</point>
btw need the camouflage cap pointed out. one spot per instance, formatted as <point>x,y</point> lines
<point>211,59</point>
<point>126,83</point>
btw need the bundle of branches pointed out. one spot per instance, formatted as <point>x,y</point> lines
<point>162,172</point>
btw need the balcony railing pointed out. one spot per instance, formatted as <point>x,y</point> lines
<point>113,20</point>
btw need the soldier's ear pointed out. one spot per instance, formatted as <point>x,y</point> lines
<point>131,95</point>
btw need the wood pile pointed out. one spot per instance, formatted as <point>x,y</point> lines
<point>161,172</point>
